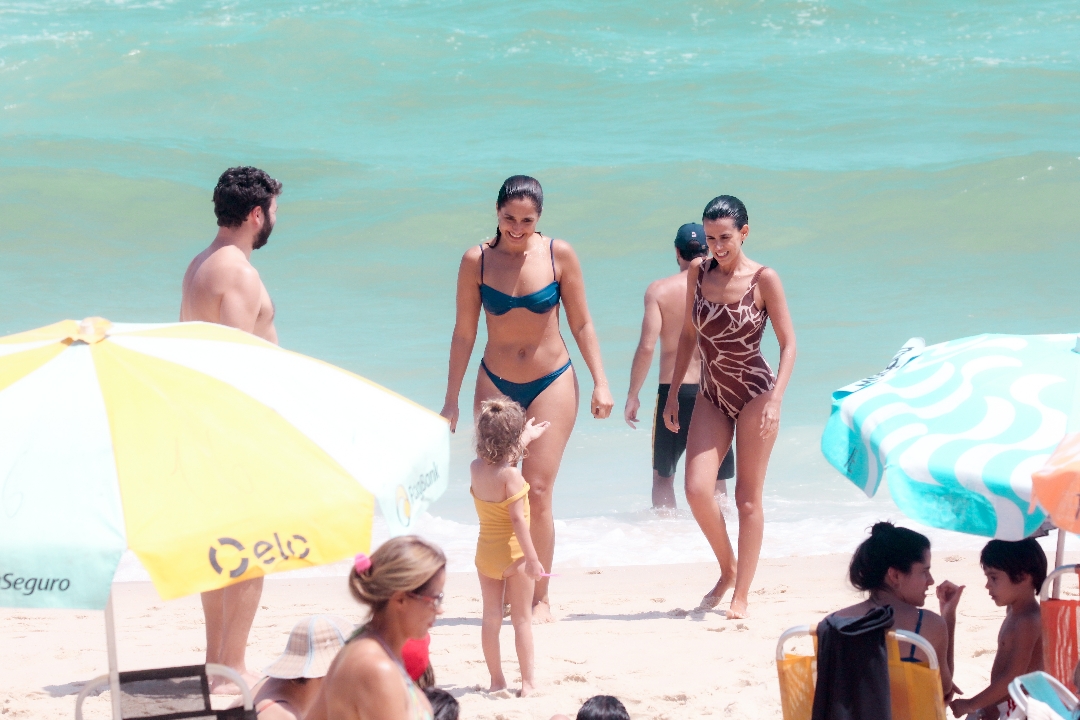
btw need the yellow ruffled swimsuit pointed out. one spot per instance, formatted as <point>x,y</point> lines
<point>497,548</point>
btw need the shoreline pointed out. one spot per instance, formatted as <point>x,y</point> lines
<point>628,631</point>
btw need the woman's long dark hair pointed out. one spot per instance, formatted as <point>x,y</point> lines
<point>887,547</point>
<point>518,187</point>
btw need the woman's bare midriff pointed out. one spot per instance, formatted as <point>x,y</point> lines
<point>513,352</point>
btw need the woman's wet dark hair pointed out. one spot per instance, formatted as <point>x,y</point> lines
<point>727,206</point>
<point>519,187</point>
<point>887,547</point>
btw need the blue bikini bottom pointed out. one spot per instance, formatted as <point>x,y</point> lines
<point>524,393</point>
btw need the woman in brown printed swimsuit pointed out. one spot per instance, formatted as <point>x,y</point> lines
<point>729,298</point>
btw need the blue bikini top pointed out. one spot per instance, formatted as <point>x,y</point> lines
<point>539,302</point>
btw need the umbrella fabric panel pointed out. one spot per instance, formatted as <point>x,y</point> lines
<point>203,469</point>
<point>343,413</point>
<point>61,523</point>
<point>958,428</point>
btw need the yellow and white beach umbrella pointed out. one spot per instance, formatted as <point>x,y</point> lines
<point>213,455</point>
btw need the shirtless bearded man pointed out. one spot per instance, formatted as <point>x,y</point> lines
<point>665,310</point>
<point>221,286</point>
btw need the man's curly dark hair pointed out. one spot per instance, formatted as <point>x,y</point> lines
<point>239,191</point>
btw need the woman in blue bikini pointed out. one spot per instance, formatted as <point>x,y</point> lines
<point>519,278</point>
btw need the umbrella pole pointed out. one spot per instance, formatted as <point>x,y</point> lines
<point>114,673</point>
<point>1059,561</point>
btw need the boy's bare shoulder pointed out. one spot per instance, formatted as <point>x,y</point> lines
<point>1028,618</point>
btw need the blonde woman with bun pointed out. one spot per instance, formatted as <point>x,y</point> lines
<point>506,559</point>
<point>402,583</point>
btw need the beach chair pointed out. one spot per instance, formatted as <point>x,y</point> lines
<point>915,689</point>
<point>1045,688</point>
<point>172,693</point>
<point>1061,631</point>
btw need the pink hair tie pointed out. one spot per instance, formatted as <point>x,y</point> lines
<point>362,563</point>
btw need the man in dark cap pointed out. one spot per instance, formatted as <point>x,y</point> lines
<point>665,312</point>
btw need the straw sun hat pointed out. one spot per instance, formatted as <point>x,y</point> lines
<point>313,644</point>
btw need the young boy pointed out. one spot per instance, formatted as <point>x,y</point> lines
<point>1014,574</point>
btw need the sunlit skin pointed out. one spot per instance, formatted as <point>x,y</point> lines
<point>665,308</point>
<point>523,346</point>
<point>363,682</point>
<point>222,286</point>
<point>711,431</point>
<point>1019,649</point>
<point>906,592</point>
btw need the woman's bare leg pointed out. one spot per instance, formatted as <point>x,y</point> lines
<point>752,457</point>
<point>558,404</point>
<point>706,445</point>
<point>492,593</point>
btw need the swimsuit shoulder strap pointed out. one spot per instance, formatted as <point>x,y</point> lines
<point>516,496</point>
<point>481,263</point>
<point>918,624</point>
<point>551,251</point>
<point>754,280</point>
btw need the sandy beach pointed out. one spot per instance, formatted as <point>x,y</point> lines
<point>626,631</point>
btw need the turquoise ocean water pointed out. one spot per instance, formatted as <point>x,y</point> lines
<point>910,169</point>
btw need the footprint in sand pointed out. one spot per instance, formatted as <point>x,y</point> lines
<point>572,678</point>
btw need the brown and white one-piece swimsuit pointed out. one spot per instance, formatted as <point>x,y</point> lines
<point>733,370</point>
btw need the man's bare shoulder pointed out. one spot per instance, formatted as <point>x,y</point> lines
<point>224,264</point>
<point>667,289</point>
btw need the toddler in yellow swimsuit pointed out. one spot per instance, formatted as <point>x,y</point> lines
<point>505,558</point>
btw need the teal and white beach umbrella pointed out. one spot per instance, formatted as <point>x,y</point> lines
<point>957,429</point>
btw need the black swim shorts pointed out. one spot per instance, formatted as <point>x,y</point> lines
<point>668,447</point>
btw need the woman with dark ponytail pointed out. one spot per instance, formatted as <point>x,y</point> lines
<point>893,567</point>
<point>519,278</point>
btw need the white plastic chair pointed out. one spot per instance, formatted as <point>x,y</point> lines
<point>1045,688</point>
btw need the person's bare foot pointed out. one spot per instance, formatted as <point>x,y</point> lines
<point>541,613</point>
<point>497,686</point>
<point>527,689</point>
<point>222,686</point>
<point>737,611</point>
<point>714,596</point>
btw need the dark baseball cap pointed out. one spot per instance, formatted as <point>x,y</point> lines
<point>690,241</point>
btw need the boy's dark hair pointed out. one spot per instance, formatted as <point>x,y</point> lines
<point>239,191</point>
<point>602,707</point>
<point>887,547</point>
<point>443,704</point>
<point>1016,559</point>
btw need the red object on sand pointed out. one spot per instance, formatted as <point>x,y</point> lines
<point>414,653</point>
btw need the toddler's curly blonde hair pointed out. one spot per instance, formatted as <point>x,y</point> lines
<point>498,431</point>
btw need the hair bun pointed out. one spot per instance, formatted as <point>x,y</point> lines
<point>881,528</point>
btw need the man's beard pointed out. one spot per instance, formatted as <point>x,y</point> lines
<point>264,234</point>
